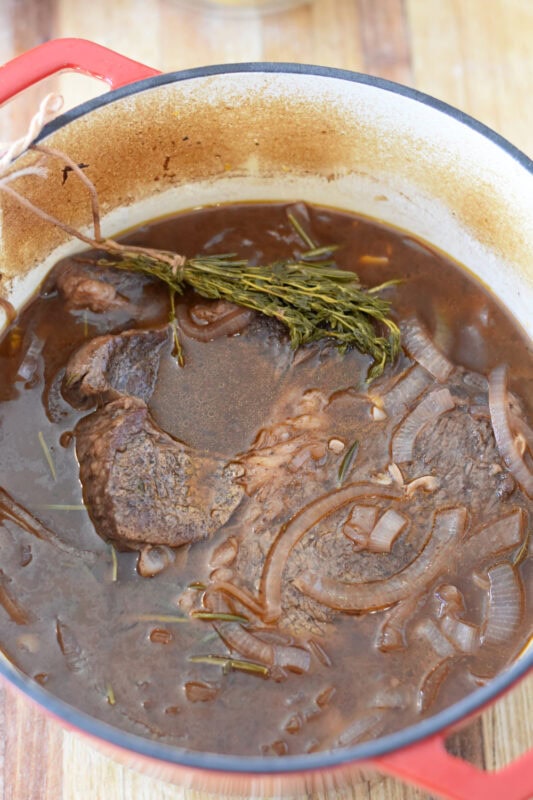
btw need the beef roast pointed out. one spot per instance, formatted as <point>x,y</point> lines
<point>89,286</point>
<point>110,366</point>
<point>143,487</point>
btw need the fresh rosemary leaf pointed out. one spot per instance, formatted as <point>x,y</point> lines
<point>347,462</point>
<point>229,664</point>
<point>216,616</point>
<point>47,455</point>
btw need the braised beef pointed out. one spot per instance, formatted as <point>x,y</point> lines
<point>91,286</point>
<point>143,487</point>
<point>110,366</point>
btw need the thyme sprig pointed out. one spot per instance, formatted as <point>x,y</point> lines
<point>313,299</point>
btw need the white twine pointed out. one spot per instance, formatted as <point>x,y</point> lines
<point>48,109</point>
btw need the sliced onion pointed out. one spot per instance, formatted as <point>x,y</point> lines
<point>154,559</point>
<point>497,536</point>
<point>505,604</point>
<point>391,635</point>
<point>244,643</point>
<point>420,346</point>
<point>507,447</point>
<point>378,414</point>
<point>429,409</point>
<point>435,638</point>
<point>11,606</point>
<point>249,645</point>
<point>447,530</point>
<point>19,516</point>
<point>428,483</point>
<point>431,684</point>
<point>408,389</point>
<point>244,597</point>
<point>291,533</point>
<point>359,524</point>
<point>368,724</point>
<point>227,325</point>
<point>450,599</point>
<point>295,659</point>
<point>225,553</point>
<point>27,369</point>
<point>522,430</point>
<point>463,635</point>
<point>386,531</point>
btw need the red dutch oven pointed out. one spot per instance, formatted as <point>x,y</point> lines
<point>160,143</point>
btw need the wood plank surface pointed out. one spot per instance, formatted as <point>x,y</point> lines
<point>475,54</point>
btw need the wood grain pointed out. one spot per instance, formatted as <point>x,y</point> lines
<point>474,54</point>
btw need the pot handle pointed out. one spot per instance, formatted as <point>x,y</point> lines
<point>78,55</point>
<point>429,766</point>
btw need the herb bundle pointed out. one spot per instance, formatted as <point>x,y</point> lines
<point>309,295</point>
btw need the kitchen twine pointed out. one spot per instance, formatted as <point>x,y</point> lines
<point>50,106</point>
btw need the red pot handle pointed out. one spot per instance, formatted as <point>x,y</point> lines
<point>78,55</point>
<point>429,766</point>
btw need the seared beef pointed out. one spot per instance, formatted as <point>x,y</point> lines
<point>89,286</point>
<point>461,451</point>
<point>110,366</point>
<point>291,464</point>
<point>98,288</point>
<point>141,486</point>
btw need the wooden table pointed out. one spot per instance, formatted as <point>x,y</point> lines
<point>475,54</point>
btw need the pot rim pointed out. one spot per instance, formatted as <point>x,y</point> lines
<point>270,765</point>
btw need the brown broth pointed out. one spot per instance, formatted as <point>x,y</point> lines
<point>122,671</point>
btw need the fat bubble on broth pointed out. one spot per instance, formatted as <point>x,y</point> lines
<point>260,552</point>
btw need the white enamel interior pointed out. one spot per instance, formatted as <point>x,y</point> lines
<point>393,187</point>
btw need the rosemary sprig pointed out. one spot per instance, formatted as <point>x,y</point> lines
<point>219,616</point>
<point>47,455</point>
<point>229,664</point>
<point>347,462</point>
<point>160,618</point>
<point>313,299</point>
<point>114,564</point>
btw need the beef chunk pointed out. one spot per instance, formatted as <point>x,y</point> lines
<point>143,487</point>
<point>110,366</point>
<point>88,286</point>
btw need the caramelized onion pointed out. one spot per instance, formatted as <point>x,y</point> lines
<point>496,537</point>
<point>29,365</point>
<point>368,724</point>
<point>154,559</point>
<point>408,389</point>
<point>225,554</point>
<point>385,532</point>
<point>391,635</point>
<point>359,525</point>
<point>499,413</point>
<point>420,346</point>
<point>11,606</point>
<point>431,684</point>
<point>448,527</point>
<point>505,604</point>
<point>249,645</point>
<point>428,410</point>
<point>291,533</point>
<point>435,638</point>
<point>463,635</point>
<point>227,325</point>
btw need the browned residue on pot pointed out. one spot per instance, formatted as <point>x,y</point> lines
<point>151,141</point>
